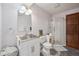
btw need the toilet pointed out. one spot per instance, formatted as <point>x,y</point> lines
<point>9,51</point>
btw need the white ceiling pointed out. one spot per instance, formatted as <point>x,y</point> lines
<point>54,8</point>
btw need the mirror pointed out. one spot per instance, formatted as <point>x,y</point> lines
<point>24,23</point>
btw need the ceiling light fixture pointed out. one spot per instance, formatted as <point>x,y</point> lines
<point>23,10</point>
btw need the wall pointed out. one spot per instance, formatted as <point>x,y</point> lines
<point>9,24</point>
<point>60,25</point>
<point>0,26</point>
<point>40,20</point>
<point>24,21</point>
<point>59,30</point>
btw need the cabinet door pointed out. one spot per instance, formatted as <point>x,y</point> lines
<point>23,49</point>
<point>34,48</point>
<point>72,30</point>
<point>30,48</point>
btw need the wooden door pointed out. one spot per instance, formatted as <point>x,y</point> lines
<point>72,30</point>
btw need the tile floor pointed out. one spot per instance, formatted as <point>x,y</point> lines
<point>70,52</point>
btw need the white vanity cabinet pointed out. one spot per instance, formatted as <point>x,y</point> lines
<point>30,47</point>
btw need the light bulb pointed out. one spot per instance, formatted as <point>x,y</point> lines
<point>28,12</point>
<point>22,9</point>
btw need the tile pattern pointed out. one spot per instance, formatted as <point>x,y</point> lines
<point>70,52</point>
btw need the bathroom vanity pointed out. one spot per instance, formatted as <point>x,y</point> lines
<point>28,45</point>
